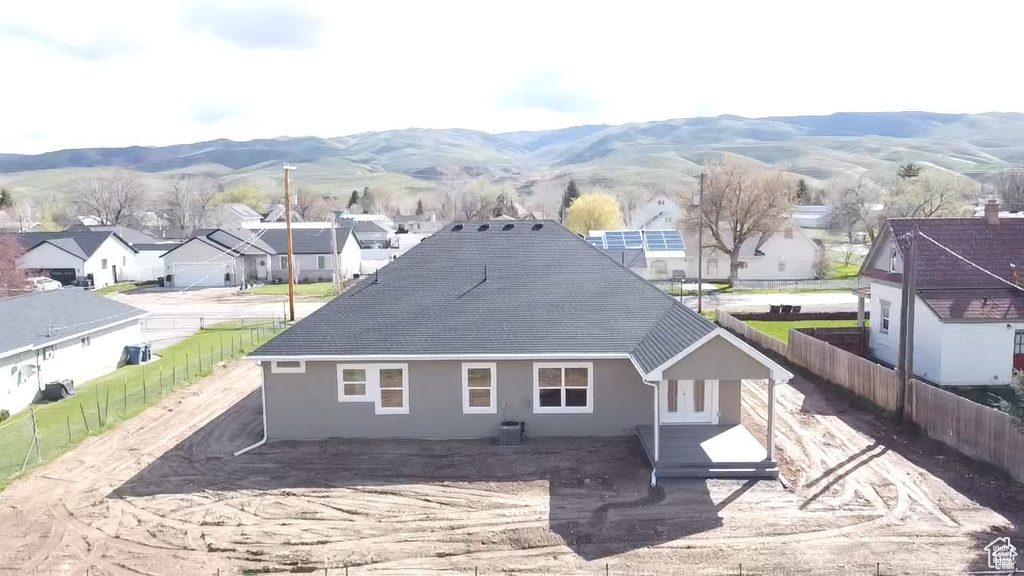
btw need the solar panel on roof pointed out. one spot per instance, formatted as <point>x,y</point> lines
<point>597,241</point>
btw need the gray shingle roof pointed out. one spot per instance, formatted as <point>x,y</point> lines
<point>87,241</point>
<point>304,240</point>
<point>128,234</point>
<point>630,257</point>
<point>546,292</point>
<point>45,317</point>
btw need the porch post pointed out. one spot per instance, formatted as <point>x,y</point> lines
<point>860,311</point>
<point>657,421</point>
<point>770,441</point>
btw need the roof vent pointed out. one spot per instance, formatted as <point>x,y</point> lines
<point>457,228</point>
<point>537,227</point>
<point>508,227</point>
<point>483,227</point>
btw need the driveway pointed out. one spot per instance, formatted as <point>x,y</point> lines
<point>161,494</point>
<point>174,315</point>
<point>755,302</point>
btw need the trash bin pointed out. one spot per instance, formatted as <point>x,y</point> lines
<point>134,354</point>
<point>161,281</point>
<point>58,389</point>
<point>511,433</point>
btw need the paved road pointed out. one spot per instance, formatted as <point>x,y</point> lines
<point>808,301</point>
<point>175,315</point>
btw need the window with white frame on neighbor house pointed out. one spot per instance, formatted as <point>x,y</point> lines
<point>782,265</point>
<point>386,385</point>
<point>353,383</point>
<point>885,305</point>
<point>103,263</point>
<point>284,262</point>
<point>563,387</point>
<point>323,263</point>
<point>86,341</point>
<point>479,388</point>
<point>892,259</point>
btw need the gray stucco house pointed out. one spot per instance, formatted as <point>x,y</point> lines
<point>495,321</point>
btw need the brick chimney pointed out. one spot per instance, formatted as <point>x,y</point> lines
<point>992,211</point>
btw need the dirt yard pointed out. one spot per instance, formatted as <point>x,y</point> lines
<point>160,495</point>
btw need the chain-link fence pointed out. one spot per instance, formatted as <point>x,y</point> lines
<point>620,569</point>
<point>44,431</point>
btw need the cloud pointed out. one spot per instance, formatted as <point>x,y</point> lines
<point>265,24</point>
<point>108,45</point>
<point>210,113</point>
<point>548,90</point>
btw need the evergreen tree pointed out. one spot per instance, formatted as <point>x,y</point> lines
<point>803,193</point>
<point>6,199</point>
<point>419,207</point>
<point>353,199</point>
<point>571,193</point>
<point>908,170</point>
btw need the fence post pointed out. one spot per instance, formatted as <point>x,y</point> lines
<point>106,407</point>
<point>186,365</point>
<point>35,432</point>
<point>99,416</point>
<point>84,419</point>
<point>68,418</point>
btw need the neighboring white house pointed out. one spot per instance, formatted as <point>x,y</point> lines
<point>968,322</point>
<point>419,223</point>
<point>67,256</point>
<point>659,213</point>
<point>62,334</point>
<point>219,257</point>
<point>233,216</point>
<point>662,252</point>
<point>812,217</point>
<point>312,249</point>
<point>147,266</point>
<point>789,254</point>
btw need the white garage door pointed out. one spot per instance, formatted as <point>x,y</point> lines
<point>186,275</point>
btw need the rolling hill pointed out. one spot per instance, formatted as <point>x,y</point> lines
<point>656,156</point>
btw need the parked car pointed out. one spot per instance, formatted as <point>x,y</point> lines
<point>43,284</point>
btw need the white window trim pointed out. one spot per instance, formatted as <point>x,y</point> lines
<point>366,396</point>
<point>892,260</point>
<point>588,409</point>
<point>375,378</point>
<point>466,408</point>
<point>275,368</point>
<point>883,306</point>
<point>326,261</point>
<point>373,386</point>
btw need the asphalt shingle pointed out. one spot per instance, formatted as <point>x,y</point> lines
<point>512,288</point>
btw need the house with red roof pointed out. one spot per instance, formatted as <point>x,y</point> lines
<point>969,300</point>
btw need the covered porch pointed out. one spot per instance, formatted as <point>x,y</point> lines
<point>706,451</point>
<point>697,428</point>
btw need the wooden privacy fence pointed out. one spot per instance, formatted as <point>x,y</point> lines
<point>732,324</point>
<point>859,375</point>
<point>974,430</point>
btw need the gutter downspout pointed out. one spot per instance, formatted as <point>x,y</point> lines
<point>263,393</point>
<point>657,434</point>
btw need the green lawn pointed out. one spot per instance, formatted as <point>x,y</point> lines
<point>780,329</point>
<point>122,287</point>
<point>101,404</point>
<point>842,271</point>
<point>313,290</point>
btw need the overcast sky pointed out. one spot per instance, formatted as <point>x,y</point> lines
<point>98,73</point>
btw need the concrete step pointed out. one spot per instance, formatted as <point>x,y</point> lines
<point>709,472</point>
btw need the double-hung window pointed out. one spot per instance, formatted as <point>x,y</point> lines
<point>563,387</point>
<point>323,262</point>
<point>386,385</point>
<point>479,388</point>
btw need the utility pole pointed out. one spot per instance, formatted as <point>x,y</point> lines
<point>288,225</point>
<point>700,247</point>
<point>334,253</point>
<point>908,302</point>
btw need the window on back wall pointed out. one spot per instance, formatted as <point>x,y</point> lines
<point>479,388</point>
<point>386,385</point>
<point>782,265</point>
<point>284,262</point>
<point>892,259</point>
<point>103,263</point>
<point>885,306</point>
<point>563,387</point>
<point>323,263</point>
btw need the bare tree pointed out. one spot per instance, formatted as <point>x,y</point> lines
<point>930,194</point>
<point>855,209</point>
<point>12,278</point>
<point>741,204</point>
<point>632,202</point>
<point>188,200</point>
<point>460,200</point>
<point>309,206</point>
<point>1011,187</point>
<point>112,196</point>
<point>379,201</point>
